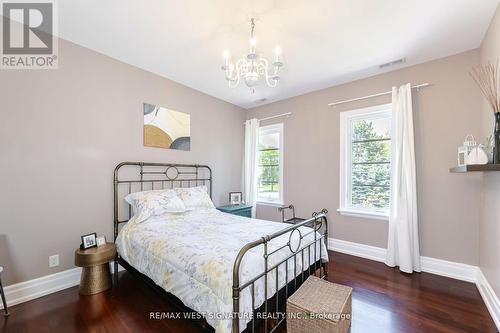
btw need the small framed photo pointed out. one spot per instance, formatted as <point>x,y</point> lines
<point>89,241</point>
<point>101,240</point>
<point>235,198</point>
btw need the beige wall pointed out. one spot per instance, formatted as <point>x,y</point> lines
<point>444,114</point>
<point>63,131</point>
<point>489,229</point>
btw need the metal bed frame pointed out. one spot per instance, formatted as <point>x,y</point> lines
<point>147,176</point>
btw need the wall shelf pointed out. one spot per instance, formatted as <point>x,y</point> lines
<point>475,168</point>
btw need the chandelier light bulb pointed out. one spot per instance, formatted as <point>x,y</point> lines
<point>226,57</point>
<point>253,42</point>
<point>278,62</point>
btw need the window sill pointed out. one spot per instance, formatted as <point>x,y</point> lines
<point>362,214</point>
<point>269,203</point>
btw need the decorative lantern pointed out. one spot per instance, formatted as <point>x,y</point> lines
<point>464,151</point>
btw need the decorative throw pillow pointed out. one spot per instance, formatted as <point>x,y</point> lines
<point>157,202</point>
<point>195,197</point>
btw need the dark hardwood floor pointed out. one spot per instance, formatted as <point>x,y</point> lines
<point>384,300</point>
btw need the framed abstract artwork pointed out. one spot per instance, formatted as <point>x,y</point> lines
<point>165,128</point>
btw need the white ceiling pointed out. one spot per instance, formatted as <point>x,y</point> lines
<point>324,42</point>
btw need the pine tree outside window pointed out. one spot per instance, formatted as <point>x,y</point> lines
<point>365,164</point>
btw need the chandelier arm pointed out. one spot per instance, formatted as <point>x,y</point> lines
<point>237,76</point>
<point>230,76</point>
<point>271,83</point>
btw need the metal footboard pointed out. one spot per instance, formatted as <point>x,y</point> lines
<point>319,225</point>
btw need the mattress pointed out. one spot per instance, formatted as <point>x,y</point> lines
<point>191,255</point>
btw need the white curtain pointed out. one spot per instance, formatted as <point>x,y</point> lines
<point>403,246</point>
<point>249,181</point>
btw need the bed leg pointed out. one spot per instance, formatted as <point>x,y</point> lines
<point>115,273</point>
<point>325,267</point>
<point>236,309</point>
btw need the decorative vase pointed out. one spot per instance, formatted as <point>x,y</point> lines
<point>496,139</point>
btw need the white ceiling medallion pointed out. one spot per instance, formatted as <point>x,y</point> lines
<point>253,67</point>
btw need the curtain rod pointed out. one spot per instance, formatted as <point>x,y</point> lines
<point>276,116</point>
<point>423,85</point>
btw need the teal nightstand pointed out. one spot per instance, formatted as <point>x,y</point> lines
<point>241,210</point>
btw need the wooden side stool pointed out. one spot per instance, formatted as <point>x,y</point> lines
<point>96,276</point>
<point>319,306</point>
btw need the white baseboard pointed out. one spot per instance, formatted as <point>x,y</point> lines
<point>356,249</point>
<point>489,297</point>
<point>441,267</point>
<point>48,284</point>
<point>454,270</point>
<point>28,290</point>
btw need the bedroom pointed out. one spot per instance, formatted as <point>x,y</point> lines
<point>160,86</point>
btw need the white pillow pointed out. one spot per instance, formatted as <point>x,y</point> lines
<point>195,197</point>
<point>157,202</point>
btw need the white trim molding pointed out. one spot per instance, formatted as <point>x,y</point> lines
<point>440,267</point>
<point>45,285</point>
<point>48,284</point>
<point>270,203</point>
<point>454,270</point>
<point>362,214</point>
<point>489,297</point>
<point>356,249</point>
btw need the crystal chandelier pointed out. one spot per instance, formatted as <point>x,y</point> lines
<point>253,66</point>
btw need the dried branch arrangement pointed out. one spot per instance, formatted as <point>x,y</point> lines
<point>488,80</point>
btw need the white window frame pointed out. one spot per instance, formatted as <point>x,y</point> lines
<point>346,118</point>
<point>274,128</point>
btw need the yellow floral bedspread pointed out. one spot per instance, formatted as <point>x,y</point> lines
<point>191,255</point>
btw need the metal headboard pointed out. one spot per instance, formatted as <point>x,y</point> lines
<point>130,177</point>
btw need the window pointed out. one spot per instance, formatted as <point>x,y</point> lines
<point>365,162</point>
<point>270,164</point>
